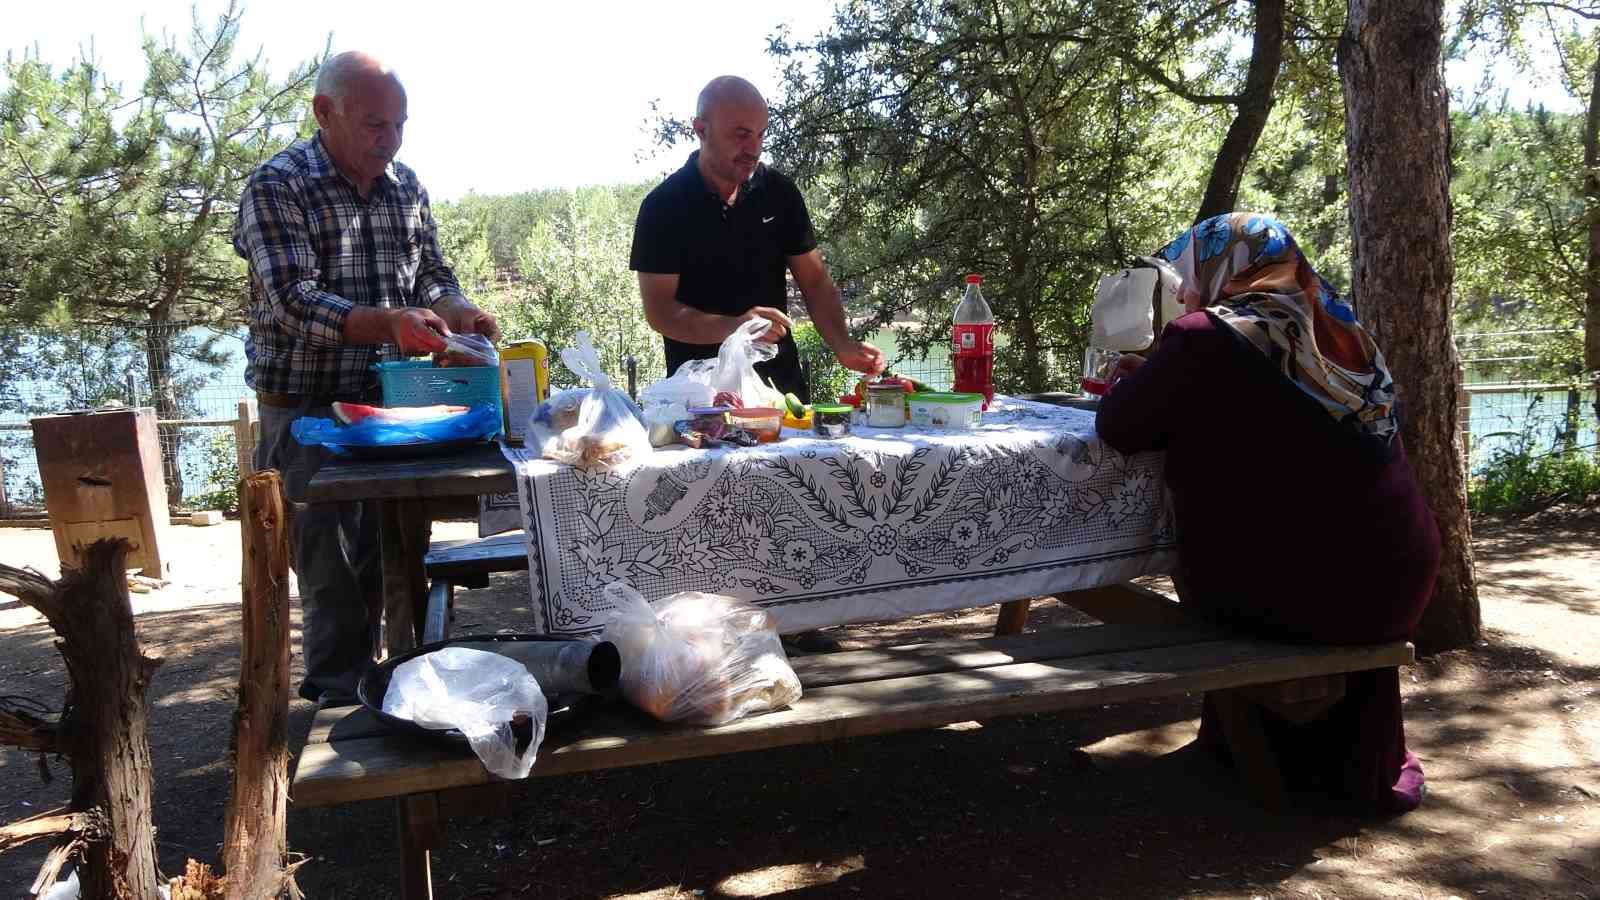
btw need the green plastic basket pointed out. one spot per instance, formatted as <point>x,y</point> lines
<point>417,382</point>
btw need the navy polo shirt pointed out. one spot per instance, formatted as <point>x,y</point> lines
<point>728,259</point>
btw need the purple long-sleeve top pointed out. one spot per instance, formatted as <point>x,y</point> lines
<point>1287,525</point>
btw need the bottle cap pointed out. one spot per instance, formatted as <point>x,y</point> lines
<point>974,279</point>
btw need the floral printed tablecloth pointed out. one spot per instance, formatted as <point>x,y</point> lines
<point>885,524</point>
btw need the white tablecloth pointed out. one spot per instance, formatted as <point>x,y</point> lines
<point>885,524</point>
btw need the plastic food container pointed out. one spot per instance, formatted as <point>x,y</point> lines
<point>710,421</point>
<point>765,422</point>
<point>831,420</point>
<point>416,382</point>
<point>946,410</point>
<point>886,405</point>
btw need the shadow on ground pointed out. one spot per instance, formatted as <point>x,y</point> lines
<point>1108,803</point>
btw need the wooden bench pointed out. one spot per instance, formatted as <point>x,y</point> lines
<point>465,563</point>
<point>349,756</point>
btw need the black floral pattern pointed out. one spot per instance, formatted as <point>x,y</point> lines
<point>827,528</point>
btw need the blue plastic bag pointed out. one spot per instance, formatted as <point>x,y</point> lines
<point>477,423</point>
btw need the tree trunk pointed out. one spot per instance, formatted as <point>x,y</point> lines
<point>1397,133</point>
<point>1591,191</point>
<point>1255,105</point>
<point>164,397</point>
<point>105,732</point>
<point>254,841</point>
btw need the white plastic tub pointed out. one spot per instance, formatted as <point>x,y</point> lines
<point>945,410</point>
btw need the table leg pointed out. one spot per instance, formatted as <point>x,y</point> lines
<point>1247,741</point>
<point>405,529</point>
<point>420,831</point>
<point>1013,618</point>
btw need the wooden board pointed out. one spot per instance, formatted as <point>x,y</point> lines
<point>477,470</point>
<point>342,769</point>
<point>878,663</point>
<point>1126,604</point>
<point>472,556</point>
<point>102,477</point>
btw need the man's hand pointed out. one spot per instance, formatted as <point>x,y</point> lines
<point>861,357</point>
<point>781,323</point>
<point>464,318</point>
<point>415,330</point>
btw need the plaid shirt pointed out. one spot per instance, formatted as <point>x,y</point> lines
<point>317,250</point>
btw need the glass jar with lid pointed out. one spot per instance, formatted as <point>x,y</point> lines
<point>886,405</point>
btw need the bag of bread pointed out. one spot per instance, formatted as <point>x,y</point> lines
<point>607,431</point>
<point>701,658</point>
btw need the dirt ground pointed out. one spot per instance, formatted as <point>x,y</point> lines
<point>1103,804</point>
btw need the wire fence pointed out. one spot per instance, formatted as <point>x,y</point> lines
<point>193,375</point>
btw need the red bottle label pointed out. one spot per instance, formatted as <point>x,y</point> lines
<point>973,339</point>
<point>972,353</point>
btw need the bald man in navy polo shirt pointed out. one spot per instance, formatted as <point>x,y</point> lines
<point>712,246</point>
<point>713,242</point>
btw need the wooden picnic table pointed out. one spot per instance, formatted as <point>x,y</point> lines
<point>411,493</point>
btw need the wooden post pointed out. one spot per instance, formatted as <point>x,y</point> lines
<point>420,830</point>
<point>254,841</point>
<point>5,505</point>
<point>1245,733</point>
<point>1013,617</point>
<point>244,438</point>
<point>404,526</point>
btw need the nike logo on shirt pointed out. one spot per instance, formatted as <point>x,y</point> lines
<point>768,219</point>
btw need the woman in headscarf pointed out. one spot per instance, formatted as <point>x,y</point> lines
<point>1298,515</point>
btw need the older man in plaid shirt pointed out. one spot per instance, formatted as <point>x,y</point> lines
<point>344,271</point>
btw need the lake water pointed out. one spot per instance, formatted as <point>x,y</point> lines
<point>1499,422</point>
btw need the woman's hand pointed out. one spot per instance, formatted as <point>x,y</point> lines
<point>1127,363</point>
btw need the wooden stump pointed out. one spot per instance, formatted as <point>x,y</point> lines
<point>254,840</point>
<point>105,733</point>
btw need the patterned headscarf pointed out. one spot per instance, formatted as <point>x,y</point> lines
<point>1251,277</point>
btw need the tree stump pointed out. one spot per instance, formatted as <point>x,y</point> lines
<point>104,732</point>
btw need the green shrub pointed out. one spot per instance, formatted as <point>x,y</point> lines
<point>1522,479</point>
<point>218,470</point>
<point>827,377</point>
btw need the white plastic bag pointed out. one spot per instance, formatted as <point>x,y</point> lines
<point>696,657</point>
<point>478,693</point>
<point>607,432</point>
<point>734,369</point>
<point>1171,282</point>
<point>668,402</point>
<point>1123,314</point>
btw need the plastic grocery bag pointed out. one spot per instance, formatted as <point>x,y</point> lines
<point>1169,288</point>
<point>1123,314</point>
<point>734,369</point>
<point>479,422</point>
<point>694,657</point>
<point>478,693</point>
<point>608,431</point>
<point>668,402</point>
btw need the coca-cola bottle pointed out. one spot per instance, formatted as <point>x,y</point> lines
<point>972,349</point>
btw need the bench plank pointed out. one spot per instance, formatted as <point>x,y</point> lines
<point>343,770</point>
<point>876,663</point>
<point>469,556</point>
